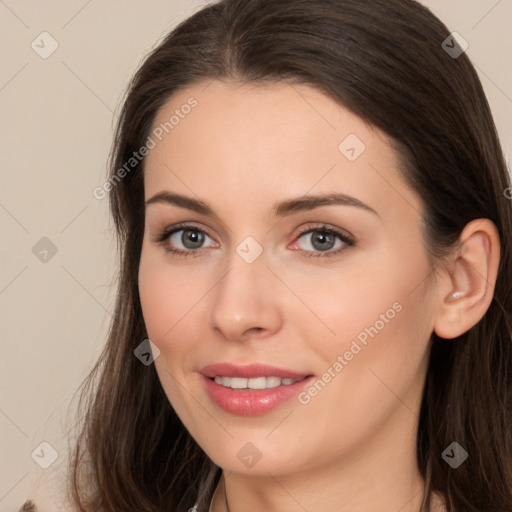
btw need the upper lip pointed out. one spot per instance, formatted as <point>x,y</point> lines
<point>249,371</point>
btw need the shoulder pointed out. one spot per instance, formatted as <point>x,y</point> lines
<point>43,491</point>
<point>28,506</point>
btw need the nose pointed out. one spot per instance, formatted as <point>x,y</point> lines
<point>246,301</point>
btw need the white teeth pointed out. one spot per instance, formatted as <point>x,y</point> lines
<point>238,382</point>
<point>273,382</point>
<point>254,383</point>
<point>257,383</point>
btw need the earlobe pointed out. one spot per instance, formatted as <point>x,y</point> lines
<point>468,287</point>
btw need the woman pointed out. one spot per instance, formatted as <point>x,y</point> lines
<point>313,234</point>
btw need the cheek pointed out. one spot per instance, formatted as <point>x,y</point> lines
<point>166,294</point>
<point>174,310</point>
<point>384,359</point>
<point>359,301</point>
<point>381,317</point>
<point>156,301</point>
<point>374,370</point>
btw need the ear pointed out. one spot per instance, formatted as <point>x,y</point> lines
<point>467,287</point>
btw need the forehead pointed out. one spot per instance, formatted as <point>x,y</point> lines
<point>266,142</point>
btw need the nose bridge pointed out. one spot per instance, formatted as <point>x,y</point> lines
<point>246,264</point>
<point>242,300</point>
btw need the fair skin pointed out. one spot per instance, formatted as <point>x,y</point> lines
<point>241,150</point>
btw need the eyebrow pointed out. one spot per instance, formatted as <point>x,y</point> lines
<point>299,204</point>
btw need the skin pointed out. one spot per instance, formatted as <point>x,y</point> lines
<point>240,150</point>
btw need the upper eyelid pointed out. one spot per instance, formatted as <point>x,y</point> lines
<point>183,227</point>
<point>309,226</point>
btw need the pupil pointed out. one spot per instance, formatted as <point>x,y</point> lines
<point>323,238</point>
<point>194,237</point>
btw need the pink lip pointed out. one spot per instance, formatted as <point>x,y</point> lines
<point>248,371</point>
<point>252,402</point>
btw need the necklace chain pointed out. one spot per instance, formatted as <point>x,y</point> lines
<point>225,493</point>
<point>225,496</point>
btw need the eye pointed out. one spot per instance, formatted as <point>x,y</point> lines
<point>183,239</point>
<point>319,241</point>
<point>323,241</point>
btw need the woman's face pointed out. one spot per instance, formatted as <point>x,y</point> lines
<point>259,281</point>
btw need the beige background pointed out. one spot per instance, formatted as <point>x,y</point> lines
<point>57,118</point>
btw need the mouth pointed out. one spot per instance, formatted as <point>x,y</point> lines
<point>251,390</point>
<point>254,382</point>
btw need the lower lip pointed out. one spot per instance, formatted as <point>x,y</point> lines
<point>252,402</point>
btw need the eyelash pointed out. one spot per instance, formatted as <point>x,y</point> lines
<point>348,241</point>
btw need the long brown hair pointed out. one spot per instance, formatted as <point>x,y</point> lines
<point>383,60</point>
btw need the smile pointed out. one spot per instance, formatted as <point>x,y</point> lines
<point>255,382</point>
<point>251,390</point>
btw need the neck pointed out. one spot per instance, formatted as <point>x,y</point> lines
<point>320,492</point>
<point>380,475</point>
